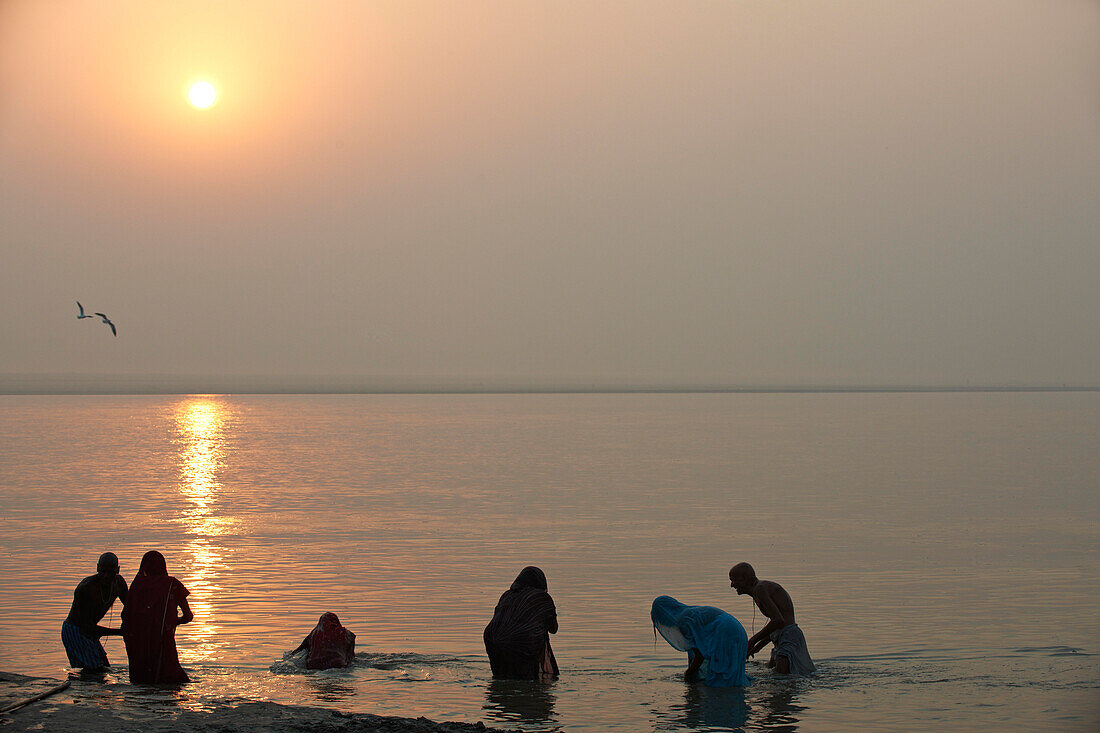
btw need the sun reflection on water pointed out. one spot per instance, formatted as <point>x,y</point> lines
<point>200,422</point>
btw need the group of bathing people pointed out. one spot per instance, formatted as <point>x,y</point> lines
<point>517,639</point>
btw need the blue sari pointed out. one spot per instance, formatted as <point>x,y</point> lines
<point>712,632</point>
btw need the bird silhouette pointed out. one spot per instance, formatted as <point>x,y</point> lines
<point>108,322</point>
<point>82,314</point>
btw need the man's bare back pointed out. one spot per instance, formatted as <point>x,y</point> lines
<point>768,593</point>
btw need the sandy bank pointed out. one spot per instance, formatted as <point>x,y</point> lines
<point>75,710</point>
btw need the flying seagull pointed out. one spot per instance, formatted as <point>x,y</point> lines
<point>108,322</point>
<point>82,315</point>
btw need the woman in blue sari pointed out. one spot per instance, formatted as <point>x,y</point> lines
<point>715,641</point>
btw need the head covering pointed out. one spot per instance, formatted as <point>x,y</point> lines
<point>154,594</point>
<point>530,577</point>
<point>712,632</point>
<point>328,628</point>
<point>152,563</point>
<point>330,644</point>
<point>664,614</point>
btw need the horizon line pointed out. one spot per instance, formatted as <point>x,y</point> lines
<point>61,385</point>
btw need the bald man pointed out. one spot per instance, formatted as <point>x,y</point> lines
<point>789,655</point>
<point>92,598</point>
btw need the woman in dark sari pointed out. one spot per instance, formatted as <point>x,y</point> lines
<point>149,623</point>
<point>517,639</point>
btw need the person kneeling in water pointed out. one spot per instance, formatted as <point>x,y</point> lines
<point>328,645</point>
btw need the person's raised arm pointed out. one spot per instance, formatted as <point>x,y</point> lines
<point>121,589</point>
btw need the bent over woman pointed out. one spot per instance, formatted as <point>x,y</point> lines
<point>328,645</point>
<point>517,639</point>
<point>715,641</point>
<point>149,623</point>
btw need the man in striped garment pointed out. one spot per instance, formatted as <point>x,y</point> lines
<point>93,597</point>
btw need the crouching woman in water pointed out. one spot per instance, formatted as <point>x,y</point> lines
<point>149,623</point>
<point>715,641</point>
<point>328,645</point>
<point>517,639</point>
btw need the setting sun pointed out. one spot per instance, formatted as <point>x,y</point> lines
<point>202,94</point>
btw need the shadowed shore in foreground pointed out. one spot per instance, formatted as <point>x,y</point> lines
<point>78,708</point>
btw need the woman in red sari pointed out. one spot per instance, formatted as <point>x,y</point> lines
<point>328,645</point>
<point>149,623</point>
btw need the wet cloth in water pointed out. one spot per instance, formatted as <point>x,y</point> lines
<point>149,623</point>
<point>790,642</point>
<point>712,632</point>
<point>83,651</point>
<point>517,639</point>
<point>329,644</point>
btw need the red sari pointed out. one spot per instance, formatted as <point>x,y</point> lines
<point>149,624</point>
<point>329,644</point>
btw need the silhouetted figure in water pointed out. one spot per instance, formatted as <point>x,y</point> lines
<point>789,655</point>
<point>328,645</point>
<point>80,632</point>
<point>149,623</point>
<point>517,639</point>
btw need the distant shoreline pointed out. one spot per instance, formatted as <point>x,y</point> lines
<point>119,385</point>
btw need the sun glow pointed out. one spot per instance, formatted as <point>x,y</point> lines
<point>202,94</point>
<point>199,439</point>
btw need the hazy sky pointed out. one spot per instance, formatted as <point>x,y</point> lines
<point>689,192</point>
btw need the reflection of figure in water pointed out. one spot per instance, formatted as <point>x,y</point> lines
<point>778,710</point>
<point>789,655</point>
<point>517,639</point>
<point>714,640</point>
<point>511,700</point>
<point>328,645</point>
<point>149,623</point>
<point>330,689</point>
<point>715,707</point>
<point>80,632</point>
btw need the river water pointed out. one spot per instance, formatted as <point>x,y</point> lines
<point>941,549</point>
